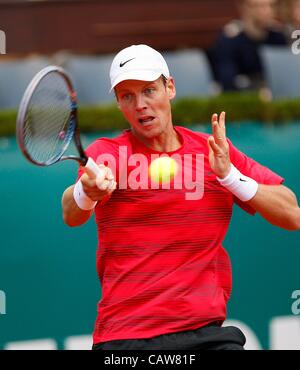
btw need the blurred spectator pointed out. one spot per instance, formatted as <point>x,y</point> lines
<point>290,15</point>
<point>235,56</point>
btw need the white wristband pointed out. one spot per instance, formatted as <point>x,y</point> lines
<point>82,200</point>
<point>243,187</point>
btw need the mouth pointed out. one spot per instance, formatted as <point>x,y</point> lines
<point>146,120</point>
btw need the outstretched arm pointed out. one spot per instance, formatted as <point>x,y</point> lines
<point>276,203</point>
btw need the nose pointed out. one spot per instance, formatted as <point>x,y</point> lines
<point>140,102</point>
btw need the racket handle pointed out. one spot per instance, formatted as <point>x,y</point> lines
<point>91,168</point>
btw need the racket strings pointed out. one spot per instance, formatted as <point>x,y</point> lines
<point>48,118</point>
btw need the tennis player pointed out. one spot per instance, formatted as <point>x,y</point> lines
<point>165,276</point>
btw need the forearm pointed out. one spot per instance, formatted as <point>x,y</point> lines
<point>278,205</point>
<point>72,214</point>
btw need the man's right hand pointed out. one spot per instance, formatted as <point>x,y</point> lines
<point>101,187</point>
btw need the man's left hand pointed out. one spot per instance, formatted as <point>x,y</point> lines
<point>218,147</point>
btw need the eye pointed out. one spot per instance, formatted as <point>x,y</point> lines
<point>126,96</point>
<point>149,90</point>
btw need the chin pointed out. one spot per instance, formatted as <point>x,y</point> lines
<point>152,133</point>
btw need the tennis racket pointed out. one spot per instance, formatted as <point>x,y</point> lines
<point>47,121</point>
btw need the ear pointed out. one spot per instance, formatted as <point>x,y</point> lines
<point>171,89</point>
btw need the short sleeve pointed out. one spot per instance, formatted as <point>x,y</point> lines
<point>249,167</point>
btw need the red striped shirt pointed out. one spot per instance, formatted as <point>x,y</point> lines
<point>160,258</point>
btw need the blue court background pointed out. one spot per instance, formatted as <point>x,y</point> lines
<point>47,270</point>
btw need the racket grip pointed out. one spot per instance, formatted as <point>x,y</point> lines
<point>91,168</point>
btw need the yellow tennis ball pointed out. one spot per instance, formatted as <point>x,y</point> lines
<point>163,169</point>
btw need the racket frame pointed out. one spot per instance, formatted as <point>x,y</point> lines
<point>73,129</point>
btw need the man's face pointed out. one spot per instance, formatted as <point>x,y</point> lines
<point>262,12</point>
<point>146,105</point>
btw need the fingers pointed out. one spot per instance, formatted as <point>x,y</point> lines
<point>107,185</point>
<point>100,186</point>
<point>212,146</point>
<point>109,174</point>
<point>218,156</point>
<point>222,120</point>
<point>105,179</point>
<point>88,172</point>
<point>87,181</point>
<point>101,173</point>
<point>218,128</point>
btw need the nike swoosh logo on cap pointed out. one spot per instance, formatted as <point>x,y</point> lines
<point>243,180</point>
<point>122,64</point>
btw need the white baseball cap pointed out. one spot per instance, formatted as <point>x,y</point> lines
<point>138,62</point>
